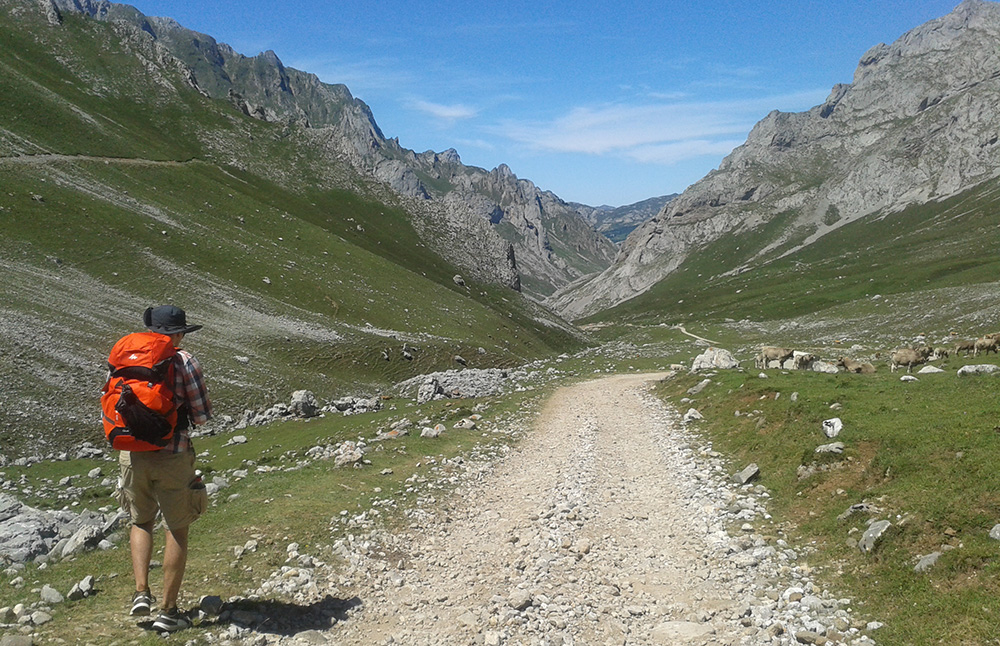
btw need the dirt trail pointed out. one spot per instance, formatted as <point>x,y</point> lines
<point>605,526</point>
<point>47,158</point>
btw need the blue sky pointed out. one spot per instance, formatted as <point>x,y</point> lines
<point>599,102</point>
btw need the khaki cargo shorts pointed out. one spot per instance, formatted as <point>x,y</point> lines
<point>160,481</point>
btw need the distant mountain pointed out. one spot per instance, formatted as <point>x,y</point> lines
<point>917,124</point>
<point>535,241</point>
<point>616,222</point>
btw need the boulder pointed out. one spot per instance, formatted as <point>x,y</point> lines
<point>520,599</point>
<point>304,404</point>
<point>87,536</point>
<point>427,431</point>
<point>748,473</point>
<point>825,367</point>
<point>348,453</point>
<point>714,359</point>
<point>700,386</point>
<point>692,415</point>
<point>873,535</point>
<point>976,370</point>
<point>832,427</point>
<point>50,595</point>
<point>429,390</point>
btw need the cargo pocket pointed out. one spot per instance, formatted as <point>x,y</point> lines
<point>122,497</point>
<point>199,497</point>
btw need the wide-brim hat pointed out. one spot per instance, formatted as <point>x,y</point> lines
<point>167,319</point>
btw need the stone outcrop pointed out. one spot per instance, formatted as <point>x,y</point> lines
<point>918,123</point>
<point>27,533</point>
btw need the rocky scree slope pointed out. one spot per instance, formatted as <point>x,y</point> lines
<point>552,245</point>
<point>917,124</point>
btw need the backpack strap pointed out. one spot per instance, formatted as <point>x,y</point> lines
<point>138,373</point>
<point>142,373</point>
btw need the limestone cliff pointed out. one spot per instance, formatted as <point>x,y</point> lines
<point>918,123</point>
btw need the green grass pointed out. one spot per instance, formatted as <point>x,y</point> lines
<point>923,452</point>
<point>926,247</point>
<point>283,253</point>
<point>289,503</point>
<point>217,214</point>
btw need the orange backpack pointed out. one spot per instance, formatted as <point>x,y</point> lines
<point>138,406</point>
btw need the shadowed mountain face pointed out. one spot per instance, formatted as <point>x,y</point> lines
<point>917,124</point>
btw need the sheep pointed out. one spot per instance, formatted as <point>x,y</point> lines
<point>802,360</point>
<point>964,346</point>
<point>939,353</point>
<point>908,357</point>
<point>986,345</point>
<point>770,353</point>
<point>850,365</point>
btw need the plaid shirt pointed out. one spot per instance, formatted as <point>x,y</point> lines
<point>191,396</point>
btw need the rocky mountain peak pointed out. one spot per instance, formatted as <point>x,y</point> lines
<point>918,123</point>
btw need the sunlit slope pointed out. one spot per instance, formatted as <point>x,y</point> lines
<point>945,244</point>
<point>121,187</point>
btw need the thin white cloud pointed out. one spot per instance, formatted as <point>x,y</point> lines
<point>658,132</point>
<point>676,152</point>
<point>481,144</point>
<point>359,76</point>
<point>454,112</point>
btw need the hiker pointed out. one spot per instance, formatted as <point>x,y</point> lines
<point>164,480</point>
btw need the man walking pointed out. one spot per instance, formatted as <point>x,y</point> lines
<point>165,481</point>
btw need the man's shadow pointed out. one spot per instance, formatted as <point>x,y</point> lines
<point>277,617</point>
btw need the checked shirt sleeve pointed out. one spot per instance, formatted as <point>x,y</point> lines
<point>189,382</point>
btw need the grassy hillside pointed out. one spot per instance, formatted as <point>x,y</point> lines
<point>919,454</point>
<point>122,187</point>
<point>913,254</point>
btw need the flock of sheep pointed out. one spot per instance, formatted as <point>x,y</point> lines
<point>908,357</point>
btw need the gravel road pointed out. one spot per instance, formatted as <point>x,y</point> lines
<point>606,525</point>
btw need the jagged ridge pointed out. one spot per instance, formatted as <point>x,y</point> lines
<point>918,123</point>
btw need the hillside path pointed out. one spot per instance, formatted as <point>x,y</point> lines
<point>606,525</point>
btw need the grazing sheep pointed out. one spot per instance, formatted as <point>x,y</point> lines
<point>985,345</point>
<point>850,365</point>
<point>908,357</point>
<point>964,346</point>
<point>802,360</point>
<point>939,353</point>
<point>770,353</point>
